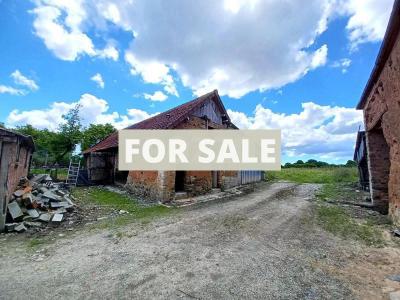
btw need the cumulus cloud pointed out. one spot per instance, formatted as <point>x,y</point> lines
<point>98,79</point>
<point>236,46</point>
<point>60,25</point>
<point>368,20</point>
<point>4,89</point>
<point>21,79</point>
<point>318,130</point>
<point>157,96</point>
<point>93,111</point>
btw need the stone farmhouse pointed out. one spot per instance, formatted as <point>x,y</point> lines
<point>206,112</point>
<point>380,103</point>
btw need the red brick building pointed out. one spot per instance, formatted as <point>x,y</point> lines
<point>206,112</point>
<point>15,159</point>
<point>380,103</point>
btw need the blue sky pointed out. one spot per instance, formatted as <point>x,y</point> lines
<point>275,64</point>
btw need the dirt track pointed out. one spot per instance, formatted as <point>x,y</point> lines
<point>257,246</point>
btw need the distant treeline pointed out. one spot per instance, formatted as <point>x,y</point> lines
<point>312,163</point>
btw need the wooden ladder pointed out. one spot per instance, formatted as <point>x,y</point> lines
<point>73,173</point>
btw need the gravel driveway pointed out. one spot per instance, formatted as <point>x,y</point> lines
<point>256,246</point>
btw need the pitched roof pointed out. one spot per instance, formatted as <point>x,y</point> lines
<point>166,120</point>
<point>388,43</point>
<point>26,140</point>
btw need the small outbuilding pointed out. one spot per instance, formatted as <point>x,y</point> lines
<point>206,112</point>
<point>380,103</point>
<point>15,159</point>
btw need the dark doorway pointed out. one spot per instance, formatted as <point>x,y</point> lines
<point>214,176</point>
<point>121,177</point>
<point>179,181</point>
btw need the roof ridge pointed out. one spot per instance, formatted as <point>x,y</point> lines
<point>164,120</point>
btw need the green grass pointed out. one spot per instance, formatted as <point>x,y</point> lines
<point>115,201</point>
<point>315,175</point>
<point>35,243</point>
<point>338,185</point>
<point>336,220</point>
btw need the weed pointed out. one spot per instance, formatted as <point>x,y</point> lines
<point>113,201</point>
<point>336,220</point>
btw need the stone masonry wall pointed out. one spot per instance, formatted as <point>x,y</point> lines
<point>160,185</point>
<point>383,106</point>
<point>379,168</point>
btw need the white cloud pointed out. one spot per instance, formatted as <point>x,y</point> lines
<point>152,71</point>
<point>93,111</point>
<point>320,131</point>
<point>235,46</point>
<point>109,52</point>
<point>4,89</point>
<point>61,24</point>
<point>368,20</point>
<point>343,64</point>
<point>157,96</point>
<point>98,79</point>
<point>20,79</point>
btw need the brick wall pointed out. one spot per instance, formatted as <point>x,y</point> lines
<point>383,110</point>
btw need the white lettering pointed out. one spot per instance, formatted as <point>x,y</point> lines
<point>160,151</point>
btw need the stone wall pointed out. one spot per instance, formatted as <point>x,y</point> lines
<point>379,168</point>
<point>198,182</point>
<point>383,110</point>
<point>145,184</point>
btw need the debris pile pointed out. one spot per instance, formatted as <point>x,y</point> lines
<point>37,203</point>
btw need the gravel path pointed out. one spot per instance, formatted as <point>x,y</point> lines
<point>257,246</point>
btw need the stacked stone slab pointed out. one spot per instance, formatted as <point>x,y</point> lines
<point>37,202</point>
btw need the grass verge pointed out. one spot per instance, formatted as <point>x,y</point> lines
<point>112,201</point>
<point>338,185</point>
<point>339,222</point>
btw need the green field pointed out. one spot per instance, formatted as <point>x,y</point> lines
<point>315,175</point>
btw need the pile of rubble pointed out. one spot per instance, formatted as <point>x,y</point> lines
<point>38,202</point>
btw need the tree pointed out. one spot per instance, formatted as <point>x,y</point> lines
<point>70,134</point>
<point>351,163</point>
<point>95,133</point>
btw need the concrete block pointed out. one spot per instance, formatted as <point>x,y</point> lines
<point>15,210</point>
<point>33,213</point>
<point>20,228</point>
<point>50,195</point>
<point>57,218</point>
<point>9,227</point>
<point>45,217</point>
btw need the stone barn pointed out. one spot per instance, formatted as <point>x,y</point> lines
<point>15,159</point>
<point>206,112</point>
<point>380,103</point>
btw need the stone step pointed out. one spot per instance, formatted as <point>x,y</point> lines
<point>180,195</point>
